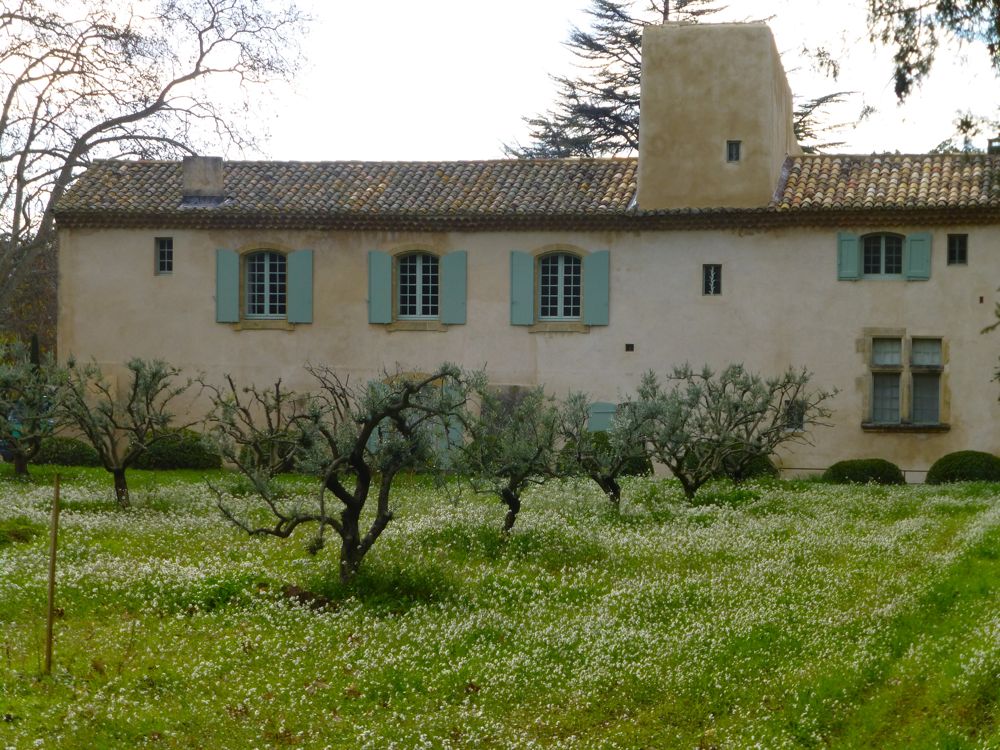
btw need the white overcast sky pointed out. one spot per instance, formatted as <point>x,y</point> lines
<point>451,79</point>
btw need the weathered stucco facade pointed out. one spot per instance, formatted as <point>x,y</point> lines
<point>792,282</point>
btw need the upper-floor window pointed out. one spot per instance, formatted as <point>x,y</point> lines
<point>958,249</point>
<point>883,255</point>
<point>418,286</point>
<point>734,150</point>
<point>266,288</point>
<point>417,289</point>
<point>559,287</point>
<point>164,256</point>
<point>711,279</point>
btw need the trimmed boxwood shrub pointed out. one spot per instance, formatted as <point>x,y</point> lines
<point>863,471</point>
<point>182,450</point>
<point>66,451</point>
<point>760,467</point>
<point>965,466</point>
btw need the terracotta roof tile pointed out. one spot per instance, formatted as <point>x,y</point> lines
<point>516,193</point>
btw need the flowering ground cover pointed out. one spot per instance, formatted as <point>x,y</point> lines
<point>786,615</point>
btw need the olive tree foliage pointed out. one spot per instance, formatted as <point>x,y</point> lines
<point>703,423</point>
<point>121,421</point>
<point>94,79</point>
<point>913,29</point>
<point>30,389</point>
<point>510,444</point>
<point>603,456</point>
<point>596,113</point>
<point>355,440</point>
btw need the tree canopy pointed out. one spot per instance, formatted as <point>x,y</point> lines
<point>596,113</point>
<point>91,79</point>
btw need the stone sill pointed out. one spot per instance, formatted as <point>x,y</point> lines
<point>557,326</point>
<point>263,325</point>
<point>905,428</point>
<point>416,325</point>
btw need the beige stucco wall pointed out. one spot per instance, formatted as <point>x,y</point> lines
<point>781,305</point>
<point>704,85</point>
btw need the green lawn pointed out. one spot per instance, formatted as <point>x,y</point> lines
<point>788,615</point>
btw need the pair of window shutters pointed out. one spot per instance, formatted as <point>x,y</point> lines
<point>453,269</point>
<point>916,256</point>
<point>596,275</point>
<point>299,267</point>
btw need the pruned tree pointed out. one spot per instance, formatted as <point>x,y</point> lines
<point>596,113</point>
<point>913,29</point>
<point>121,421</point>
<point>93,80</point>
<point>510,444</point>
<point>30,391</point>
<point>604,456</point>
<point>355,440</point>
<point>257,430</point>
<point>705,424</point>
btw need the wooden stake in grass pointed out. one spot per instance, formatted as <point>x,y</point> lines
<point>52,578</point>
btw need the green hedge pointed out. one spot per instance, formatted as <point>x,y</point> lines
<point>66,451</point>
<point>760,467</point>
<point>965,466</point>
<point>181,450</point>
<point>863,471</point>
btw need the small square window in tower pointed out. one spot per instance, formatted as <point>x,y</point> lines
<point>711,279</point>
<point>734,150</point>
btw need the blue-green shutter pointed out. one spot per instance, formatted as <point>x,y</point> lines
<point>379,287</point>
<point>453,287</point>
<point>522,289</point>
<point>596,275</point>
<point>848,256</point>
<point>917,257</point>
<point>300,286</point>
<point>601,414</point>
<point>227,286</point>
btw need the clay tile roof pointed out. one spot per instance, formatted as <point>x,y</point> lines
<point>579,193</point>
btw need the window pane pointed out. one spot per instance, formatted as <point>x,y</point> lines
<point>873,254</point>
<point>885,397</point>
<point>926,352</point>
<point>408,286</point>
<point>549,287</point>
<point>429,285</point>
<point>926,398</point>
<point>893,254</point>
<point>571,286</point>
<point>887,352</point>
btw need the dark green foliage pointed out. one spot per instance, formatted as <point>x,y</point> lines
<point>184,449</point>
<point>67,451</point>
<point>635,466</point>
<point>864,471</point>
<point>758,467</point>
<point>17,530</point>
<point>965,466</point>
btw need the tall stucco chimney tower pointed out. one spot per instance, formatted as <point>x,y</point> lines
<point>715,117</point>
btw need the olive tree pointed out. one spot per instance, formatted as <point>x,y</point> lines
<point>604,455</point>
<point>121,421</point>
<point>703,423</point>
<point>510,444</point>
<point>30,390</point>
<point>356,440</point>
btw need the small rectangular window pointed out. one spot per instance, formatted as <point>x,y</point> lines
<point>795,415</point>
<point>164,256</point>
<point>711,276</point>
<point>958,249</point>
<point>733,149</point>
<point>885,401</point>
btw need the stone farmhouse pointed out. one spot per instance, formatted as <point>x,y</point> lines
<point>721,242</point>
